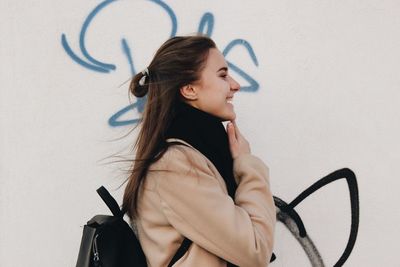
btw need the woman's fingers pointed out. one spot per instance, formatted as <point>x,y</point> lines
<point>237,132</point>
<point>231,133</point>
<point>238,144</point>
<point>233,142</point>
<point>231,130</point>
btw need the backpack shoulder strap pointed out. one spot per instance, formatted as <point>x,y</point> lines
<point>181,251</point>
<point>116,211</point>
<point>110,201</point>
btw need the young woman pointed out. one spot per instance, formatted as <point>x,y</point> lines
<point>192,178</point>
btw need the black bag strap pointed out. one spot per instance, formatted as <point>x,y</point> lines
<point>181,251</point>
<point>110,202</point>
<point>116,211</point>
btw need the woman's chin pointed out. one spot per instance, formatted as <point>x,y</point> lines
<point>229,117</point>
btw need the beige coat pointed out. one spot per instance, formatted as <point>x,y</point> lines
<point>184,195</point>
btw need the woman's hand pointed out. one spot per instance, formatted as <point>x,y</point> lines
<point>237,143</point>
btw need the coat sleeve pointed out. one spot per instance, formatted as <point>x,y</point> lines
<point>195,204</point>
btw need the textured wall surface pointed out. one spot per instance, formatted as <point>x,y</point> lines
<point>320,92</point>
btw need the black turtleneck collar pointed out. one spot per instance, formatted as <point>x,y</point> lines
<point>206,133</point>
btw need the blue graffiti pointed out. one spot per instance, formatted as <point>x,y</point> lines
<point>97,65</point>
<point>206,21</point>
<point>206,27</point>
<point>170,13</point>
<point>127,51</point>
<point>114,119</point>
<point>253,83</point>
<point>246,44</point>
<point>82,36</point>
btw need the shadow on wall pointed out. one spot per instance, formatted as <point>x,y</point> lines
<point>285,212</point>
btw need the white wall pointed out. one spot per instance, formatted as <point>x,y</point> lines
<point>328,98</point>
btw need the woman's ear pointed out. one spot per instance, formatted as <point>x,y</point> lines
<point>188,92</point>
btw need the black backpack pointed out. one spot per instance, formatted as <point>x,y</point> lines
<point>108,241</point>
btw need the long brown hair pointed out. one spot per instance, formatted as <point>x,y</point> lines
<point>178,62</point>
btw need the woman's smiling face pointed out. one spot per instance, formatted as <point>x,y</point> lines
<point>215,89</point>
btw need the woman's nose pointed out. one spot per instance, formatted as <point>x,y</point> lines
<point>235,86</point>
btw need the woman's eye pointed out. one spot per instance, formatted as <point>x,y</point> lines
<point>224,76</point>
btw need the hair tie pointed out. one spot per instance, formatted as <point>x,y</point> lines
<point>145,73</point>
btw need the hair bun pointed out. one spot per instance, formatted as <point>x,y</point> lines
<point>139,85</point>
<point>140,91</point>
